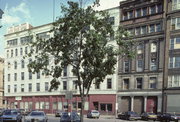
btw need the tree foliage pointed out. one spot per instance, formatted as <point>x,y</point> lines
<point>80,39</point>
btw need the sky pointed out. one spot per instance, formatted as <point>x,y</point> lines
<point>36,12</point>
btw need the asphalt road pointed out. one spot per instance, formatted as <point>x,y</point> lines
<point>101,119</point>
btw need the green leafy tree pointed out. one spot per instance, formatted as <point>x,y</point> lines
<point>80,40</point>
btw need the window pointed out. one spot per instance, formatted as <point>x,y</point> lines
<point>125,84</point>
<point>11,53</point>
<point>15,76</point>
<point>140,49</point>
<point>30,75</point>
<point>174,62</point>
<point>144,11</point>
<point>7,53</point>
<point>103,107</point>
<point>159,8</point>
<point>153,9</point>
<point>75,84</point>
<point>126,66</point>
<point>26,50</point>
<point>125,16</point>
<point>143,30</point>
<point>22,63</point>
<point>9,77</point>
<point>12,42</point>
<point>111,20</point>
<point>16,52</point>
<point>175,23</point>
<point>152,28</point>
<point>64,85</point>
<point>97,85</point>
<point>131,31</point>
<point>137,31</point>
<point>22,75</point>
<point>177,62</point>
<point>130,14</point>
<point>26,40</point>
<point>109,83</point>
<point>15,88</point>
<point>153,64</point>
<point>38,75</point>
<point>9,89</point>
<point>152,83</point>
<point>177,40</point>
<point>21,51</point>
<point>22,87</point>
<point>46,86</point>
<point>29,87</point>
<point>138,12</point>
<point>175,4</point>
<point>139,83</point>
<point>172,44</point>
<point>65,71</point>
<point>139,65</point>
<point>158,27</point>
<point>15,65</point>
<point>174,81</point>
<point>37,86</point>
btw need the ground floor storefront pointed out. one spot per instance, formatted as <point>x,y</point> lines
<point>171,101</point>
<point>140,102</point>
<point>103,103</point>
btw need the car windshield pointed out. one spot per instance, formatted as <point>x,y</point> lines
<point>151,113</point>
<point>37,114</point>
<point>95,112</point>
<point>72,116</point>
<point>10,113</point>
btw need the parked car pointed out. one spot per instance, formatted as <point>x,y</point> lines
<point>11,115</point>
<point>148,116</point>
<point>170,116</point>
<point>39,116</point>
<point>70,117</point>
<point>58,113</point>
<point>93,114</point>
<point>129,115</point>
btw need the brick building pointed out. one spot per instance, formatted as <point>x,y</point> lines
<point>140,79</point>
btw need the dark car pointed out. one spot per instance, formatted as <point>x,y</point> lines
<point>170,116</point>
<point>58,113</point>
<point>11,115</point>
<point>148,116</point>
<point>129,115</point>
<point>70,117</point>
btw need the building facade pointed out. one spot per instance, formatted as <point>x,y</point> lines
<point>30,91</point>
<point>141,78</point>
<point>2,83</point>
<point>171,85</point>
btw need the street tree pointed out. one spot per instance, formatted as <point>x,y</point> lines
<point>81,40</point>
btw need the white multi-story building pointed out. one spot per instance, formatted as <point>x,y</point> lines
<point>30,91</point>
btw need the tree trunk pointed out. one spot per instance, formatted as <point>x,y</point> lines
<point>82,108</point>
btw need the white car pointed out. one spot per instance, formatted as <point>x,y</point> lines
<point>93,114</point>
<point>36,116</point>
